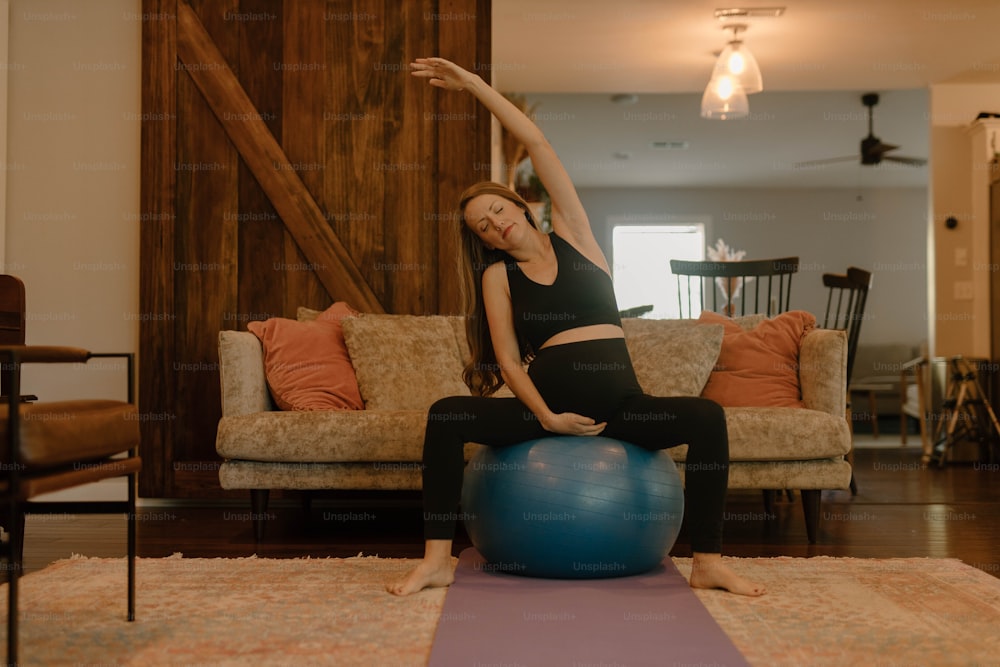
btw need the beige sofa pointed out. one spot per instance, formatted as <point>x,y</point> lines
<point>404,363</point>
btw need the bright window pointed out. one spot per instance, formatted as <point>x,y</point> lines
<point>641,270</point>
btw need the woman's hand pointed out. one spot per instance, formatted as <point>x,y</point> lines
<point>569,423</point>
<point>442,73</point>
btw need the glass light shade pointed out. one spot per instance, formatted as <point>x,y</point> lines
<point>735,60</point>
<point>724,99</point>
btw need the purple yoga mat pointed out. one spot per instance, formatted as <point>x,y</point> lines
<point>648,619</point>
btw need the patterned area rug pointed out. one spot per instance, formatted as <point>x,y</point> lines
<point>819,611</point>
<point>208,611</point>
<point>850,611</point>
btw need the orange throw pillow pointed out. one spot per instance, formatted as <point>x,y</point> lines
<point>306,363</point>
<point>758,367</point>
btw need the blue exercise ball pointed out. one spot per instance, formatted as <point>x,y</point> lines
<point>572,507</point>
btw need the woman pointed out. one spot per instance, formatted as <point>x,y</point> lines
<point>548,299</point>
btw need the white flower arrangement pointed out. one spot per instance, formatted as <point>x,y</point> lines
<point>723,253</point>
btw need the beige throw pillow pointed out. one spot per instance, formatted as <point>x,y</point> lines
<point>404,362</point>
<point>304,314</point>
<point>672,357</point>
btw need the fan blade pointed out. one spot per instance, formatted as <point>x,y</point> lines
<point>911,161</point>
<point>820,163</point>
<point>881,148</point>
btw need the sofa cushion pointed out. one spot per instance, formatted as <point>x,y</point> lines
<point>820,474</point>
<point>404,362</point>
<point>671,357</point>
<point>322,437</point>
<point>759,367</point>
<point>755,434</point>
<point>307,364</point>
<point>236,474</point>
<point>785,434</point>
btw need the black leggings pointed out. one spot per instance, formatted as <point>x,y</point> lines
<point>594,379</point>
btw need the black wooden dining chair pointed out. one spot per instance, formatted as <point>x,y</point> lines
<point>847,296</point>
<point>761,286</point>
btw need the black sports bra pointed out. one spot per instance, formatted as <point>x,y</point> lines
<point>582,295</point>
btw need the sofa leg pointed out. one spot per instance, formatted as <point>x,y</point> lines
<point>810,506</point>
<point>769,495</point>
<point>307,498</point>
<point>258,508</point>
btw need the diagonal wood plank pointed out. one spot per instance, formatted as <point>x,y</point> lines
<point>276,174</point>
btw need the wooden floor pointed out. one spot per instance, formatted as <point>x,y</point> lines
<point>901,510</point>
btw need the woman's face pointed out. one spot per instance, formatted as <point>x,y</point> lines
<point>496,220</point>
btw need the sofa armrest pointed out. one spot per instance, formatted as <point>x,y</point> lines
<point>241,373</point>
<point>823,371</point>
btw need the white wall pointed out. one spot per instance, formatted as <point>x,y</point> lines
<point>5,66</point>
<point>72,191</point>
<point>881,230</point>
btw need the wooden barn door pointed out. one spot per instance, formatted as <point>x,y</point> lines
<point>288,159</point>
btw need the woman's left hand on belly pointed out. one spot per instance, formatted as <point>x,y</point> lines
<point>570,423</point>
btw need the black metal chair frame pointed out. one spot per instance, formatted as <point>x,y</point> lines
<point>18,499</point>
<point>772,279</point>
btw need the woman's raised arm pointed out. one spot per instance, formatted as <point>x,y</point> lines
<point>568,216</point>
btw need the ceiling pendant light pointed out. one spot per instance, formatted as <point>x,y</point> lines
<point>737,61</point>
<point>734,76</point>
<point>724,99</point>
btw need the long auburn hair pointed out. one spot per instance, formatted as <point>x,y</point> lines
<point>482,373</point>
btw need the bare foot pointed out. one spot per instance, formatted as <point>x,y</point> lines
<point>428,574</point>
<point>709,571</point>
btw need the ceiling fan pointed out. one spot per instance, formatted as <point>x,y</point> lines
<point>873,151</point>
